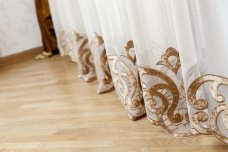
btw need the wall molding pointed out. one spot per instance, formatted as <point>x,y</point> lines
<point>19,57</point>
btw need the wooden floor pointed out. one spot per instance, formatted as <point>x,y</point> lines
<point>44,107</point>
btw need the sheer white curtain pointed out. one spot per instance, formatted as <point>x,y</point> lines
<point>169,54</point>
<point>194,103</point>
<point>66,24</point>
<point>92,25</point>
<point>204,63</point>
<point>71,35</point>
<point>117,36</point>
<point>159,64</point>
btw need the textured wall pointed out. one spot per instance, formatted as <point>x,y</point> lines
<point>19,28</point>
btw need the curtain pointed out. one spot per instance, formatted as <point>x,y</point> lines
<point>71,35</point>
<point>120,49</point>
<point>204,63</point>
<point>159,65</point>
<point>66,24</point>
<point>180,48</point>
<point>167,59</point>
<point>93,30</point>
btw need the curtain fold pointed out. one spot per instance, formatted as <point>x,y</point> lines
<point>66,24</point>
<point>181,27</point>
<point>93,30</point>
<point>120,50</point>
<point>71,35</point>
<point>205,76</point>
<point>159,65</point>
<point>167,58</point>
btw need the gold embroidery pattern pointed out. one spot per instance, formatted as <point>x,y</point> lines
<point>83,55</point>
<point>126,52</point>
<point>165,97</point>
<point>85,60</point>
<point>101,65</point>
<point>202,115</point>
<point>105,67</point>
<point>126,82</point>
<point>77,47</point>
<point>165,60</point>
<point>66,44</point>
<point>225,118</point>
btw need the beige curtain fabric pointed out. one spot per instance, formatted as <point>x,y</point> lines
<point>167,59</point>
<point>97,46</point>
<point>120,50</point>
<point>71,35</point>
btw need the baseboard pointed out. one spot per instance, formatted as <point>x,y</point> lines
<point>19,57</point>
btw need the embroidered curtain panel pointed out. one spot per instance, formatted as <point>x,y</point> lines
<point>93,30</point>
<point>71,35</point>
<point>120,49</point>
<point>66,24</point>
<point>167,58</point>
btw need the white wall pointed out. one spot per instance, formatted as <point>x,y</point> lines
<point>19,30</point>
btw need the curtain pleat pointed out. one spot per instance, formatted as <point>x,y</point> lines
<point>121,56</point>
<point>166,59</point>
<point>93,30</point>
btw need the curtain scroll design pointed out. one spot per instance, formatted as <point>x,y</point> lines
<point>126,81</point>
<point>165,98</point>
<point>85,59</point>
<point>102,68</point>
<point>200,106</point>
<point>67,43</point>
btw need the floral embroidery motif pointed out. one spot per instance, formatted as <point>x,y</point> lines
<point>126,82</point>
<point>77,47</point>
<point>164,95</point>
<point>67,44</point>
<point>202,114</point>
<point>85,60</point>
<point>101,64</point>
